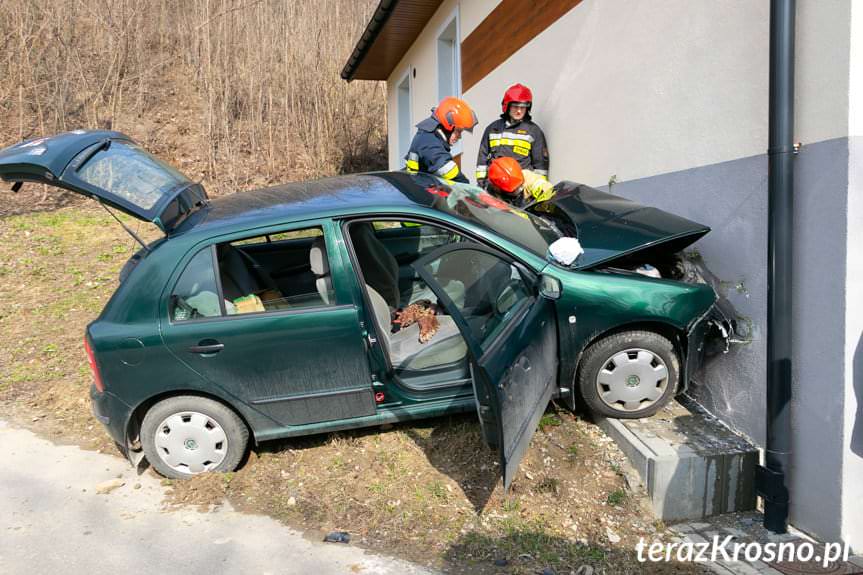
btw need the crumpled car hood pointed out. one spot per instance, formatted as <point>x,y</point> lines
<point>610,227</point>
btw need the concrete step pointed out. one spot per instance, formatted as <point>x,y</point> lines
<point>692,466</point>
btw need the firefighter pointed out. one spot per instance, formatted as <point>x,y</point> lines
<point>519,187</point>
<point>514,135</point>
<point>430,148</point>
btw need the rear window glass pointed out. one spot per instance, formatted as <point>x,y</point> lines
<point>128,172</point>
<point>196,294</point>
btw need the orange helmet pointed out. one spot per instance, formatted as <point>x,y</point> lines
<point>517,93</point>
<point>454,113</point>
<point>506,175</point>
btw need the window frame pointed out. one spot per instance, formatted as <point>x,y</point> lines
<point>453,19</point>
<point>402,147</point>
<point>211,244</point>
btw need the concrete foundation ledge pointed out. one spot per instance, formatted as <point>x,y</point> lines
<point>691,465</point>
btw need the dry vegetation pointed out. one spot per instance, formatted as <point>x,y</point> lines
<point>239,93</point>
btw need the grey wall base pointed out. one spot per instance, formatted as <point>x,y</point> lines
<point>691,465</point>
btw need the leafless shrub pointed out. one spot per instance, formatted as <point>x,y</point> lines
<point>239,92</point>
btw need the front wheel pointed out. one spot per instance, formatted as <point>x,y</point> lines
<point>186,435</point>
<point>629,375</point>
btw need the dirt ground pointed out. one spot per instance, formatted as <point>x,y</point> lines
<point>426,491</point>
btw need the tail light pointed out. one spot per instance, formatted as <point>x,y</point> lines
<point>91,359</point>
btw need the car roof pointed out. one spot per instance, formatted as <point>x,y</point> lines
<point>305,200</point>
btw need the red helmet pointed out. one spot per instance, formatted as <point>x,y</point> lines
<point>506,175</point>
<point>516,93</point>
<point>454,113</point>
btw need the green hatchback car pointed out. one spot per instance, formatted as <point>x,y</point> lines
<point>367,299</point>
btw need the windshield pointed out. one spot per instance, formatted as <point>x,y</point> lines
<point>127,171</point>
<point>480,207</point>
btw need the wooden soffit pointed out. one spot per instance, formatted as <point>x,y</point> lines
<point>390,33</point>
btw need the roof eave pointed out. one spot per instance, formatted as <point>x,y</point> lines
<point>364,44</point>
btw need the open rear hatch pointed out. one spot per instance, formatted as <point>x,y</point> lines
<point>109,167</point>
<point>610,228</point>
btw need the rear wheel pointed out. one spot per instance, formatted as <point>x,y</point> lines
<point>186,435</point>
<point>629,375</point>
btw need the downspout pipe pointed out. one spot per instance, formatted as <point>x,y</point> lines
<point>773,477</point>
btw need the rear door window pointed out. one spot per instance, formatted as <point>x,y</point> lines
<point>196,294</point>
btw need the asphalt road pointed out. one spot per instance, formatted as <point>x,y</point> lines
<point>53,521</point>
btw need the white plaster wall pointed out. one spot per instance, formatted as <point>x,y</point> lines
<point>641,88</point>
<point>852,472</point>
<point>821,69</point>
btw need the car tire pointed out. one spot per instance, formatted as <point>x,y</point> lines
<point>187,435</point>
<point>629,375</point>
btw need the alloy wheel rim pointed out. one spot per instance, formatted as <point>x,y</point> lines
<point>632,380</point>
<point>190,442</point>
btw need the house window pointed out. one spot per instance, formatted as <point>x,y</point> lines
<point>449,65</point>
<point>403,109</point>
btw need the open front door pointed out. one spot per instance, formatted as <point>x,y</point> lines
<point>512,339</point>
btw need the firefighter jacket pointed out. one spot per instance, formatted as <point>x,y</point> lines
<point>430,153</point>
<point>534,189</point>
<point>523,141</point>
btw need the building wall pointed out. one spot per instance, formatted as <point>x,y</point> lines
<point>852,492</point>
<point>421,63</point>
<point>673,103</point>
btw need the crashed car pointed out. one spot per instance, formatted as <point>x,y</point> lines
<point>367,299</point>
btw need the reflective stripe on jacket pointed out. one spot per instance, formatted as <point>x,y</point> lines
<point>523,141</point>
<point>430,153</point>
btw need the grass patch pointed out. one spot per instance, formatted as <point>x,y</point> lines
<point>549,420</point>
<point>616,497</point>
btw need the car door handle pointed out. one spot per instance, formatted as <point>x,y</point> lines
<point>204,347</point>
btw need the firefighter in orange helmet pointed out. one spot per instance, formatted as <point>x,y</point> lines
<point>514,136</point>
<point>430,148</point>
<point>519,187</point>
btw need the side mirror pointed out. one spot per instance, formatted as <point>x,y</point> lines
<point>549,287</point>
<point>564,251</point>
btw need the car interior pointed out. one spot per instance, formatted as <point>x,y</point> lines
<point>484,287</point>
<point>278,272</point>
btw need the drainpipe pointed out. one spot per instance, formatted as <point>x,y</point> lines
<point>772,480</point>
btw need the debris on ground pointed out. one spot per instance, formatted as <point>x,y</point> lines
<point>107,487</point>
<point>338,537</point>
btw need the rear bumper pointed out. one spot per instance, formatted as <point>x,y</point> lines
<point>111,412</point>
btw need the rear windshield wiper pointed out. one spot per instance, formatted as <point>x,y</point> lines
<point>95,149</point>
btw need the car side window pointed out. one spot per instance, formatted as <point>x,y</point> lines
<point>278,272</point>
<point>494,289</point>
<point>196,294</point>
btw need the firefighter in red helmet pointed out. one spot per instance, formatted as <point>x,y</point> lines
<point>518,187</point>
<point>430,148</point>
<point>514,135</point>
